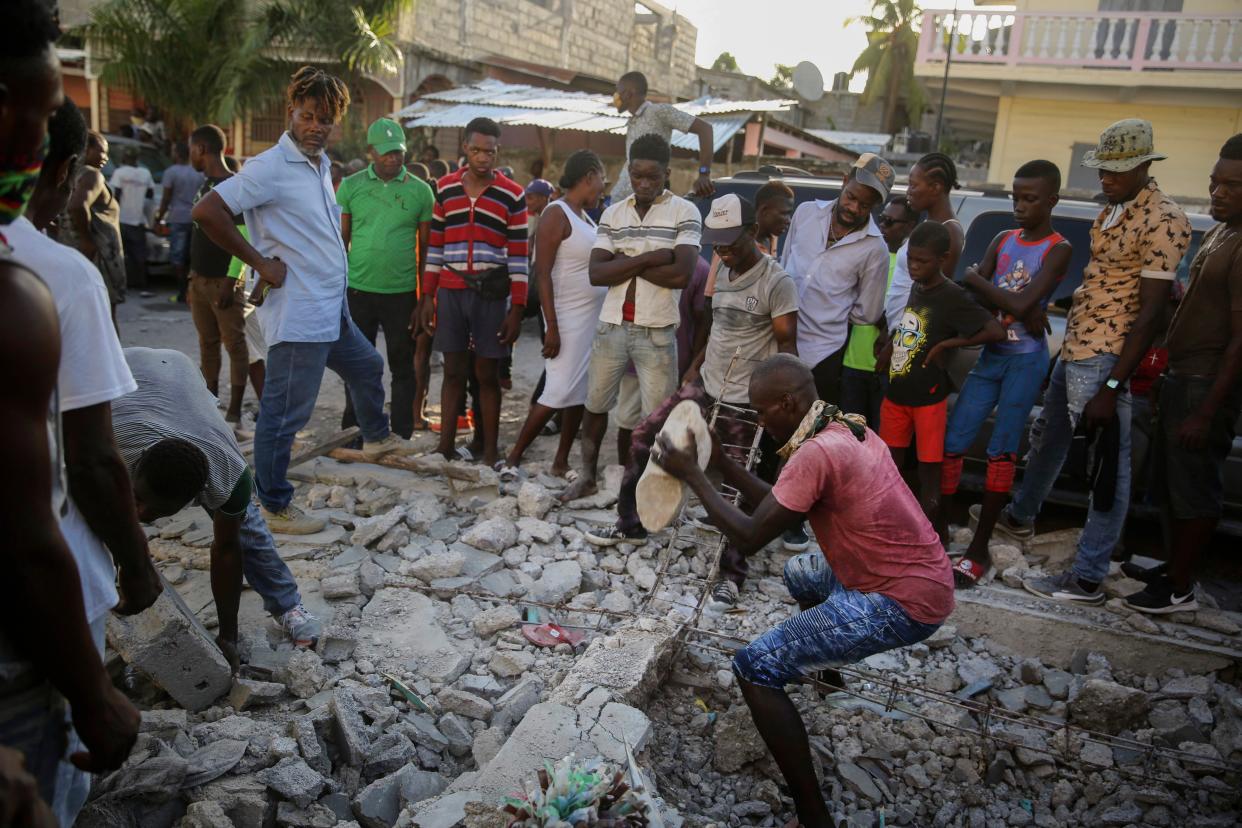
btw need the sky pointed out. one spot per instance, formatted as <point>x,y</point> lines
<point>763,33</point>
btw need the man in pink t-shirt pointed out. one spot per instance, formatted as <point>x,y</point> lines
<point>882,580</point>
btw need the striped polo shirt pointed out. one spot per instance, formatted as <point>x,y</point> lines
<point>670,221</point>
<point>475,237</point>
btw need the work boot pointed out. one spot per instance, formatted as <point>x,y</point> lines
<point>293,521</point>
<point>301,626</point>
<point>392,444</point>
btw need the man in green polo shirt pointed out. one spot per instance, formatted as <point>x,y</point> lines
<point>385,222</point>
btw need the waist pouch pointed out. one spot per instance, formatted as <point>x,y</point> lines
<point>490,284</point>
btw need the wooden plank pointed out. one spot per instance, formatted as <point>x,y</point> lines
<point>327,446</point>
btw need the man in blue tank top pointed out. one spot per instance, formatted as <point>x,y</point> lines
<point>1017,277</point>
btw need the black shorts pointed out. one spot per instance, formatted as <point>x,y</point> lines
<point>466,321</point>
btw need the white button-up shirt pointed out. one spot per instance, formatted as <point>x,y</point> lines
<point>838,285</point>
<point>670,222</point>
<point>292,214</point>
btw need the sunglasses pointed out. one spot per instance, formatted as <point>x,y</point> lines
<point>889,221</point>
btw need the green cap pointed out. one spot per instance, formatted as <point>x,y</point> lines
<point>386,135</point>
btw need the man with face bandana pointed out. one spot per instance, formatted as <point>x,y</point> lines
<point>47,655</point>
<point>837,256</point>
<point>296,248</point>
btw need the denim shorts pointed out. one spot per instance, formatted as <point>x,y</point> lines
<point>466,321</point>
<point>1191,483</point>
<point>654,354</point>
<point>179,243</point>
<point>845,626</point>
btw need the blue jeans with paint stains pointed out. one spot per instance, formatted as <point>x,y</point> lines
<point>1072,386</point>
<point>844,626</point>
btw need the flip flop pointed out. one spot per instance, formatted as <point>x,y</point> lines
<point>464,454</point>
<point>966,573</point>
<point>550,634</point>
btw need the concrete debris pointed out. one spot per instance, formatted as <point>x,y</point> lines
<point>492,535</point>
<point>294,780</point>
<point>1108,707</point>
<point>170,645</point>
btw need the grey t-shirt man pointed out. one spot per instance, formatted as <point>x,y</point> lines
<point>743,307</point>
<point>172,402</point>
<point>183,182</point>
<point>650,119</point>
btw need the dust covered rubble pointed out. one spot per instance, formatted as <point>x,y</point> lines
<point>423,583</point>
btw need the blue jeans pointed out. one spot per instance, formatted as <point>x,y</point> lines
<point>294,373</point>
<point>179,243</point>
<point>263,567</point>
<point>1072,386</point>
<point>845,626</point>
<point>1007,382</point>
<point>654,354</point>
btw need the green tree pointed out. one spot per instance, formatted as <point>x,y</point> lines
<point>783,77</point>
<point>888,60</point>
<point>725,62</point>
<point>213,60</point>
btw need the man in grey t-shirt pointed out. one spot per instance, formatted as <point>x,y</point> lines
<point>755,311</point>
<point>180,183</point>
<point>647,118</point>
<point>179,449</point>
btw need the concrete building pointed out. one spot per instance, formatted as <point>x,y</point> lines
<point>1043,80</point>
<point>569,44</point>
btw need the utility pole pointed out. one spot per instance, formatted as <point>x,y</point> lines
<point>944,84</point>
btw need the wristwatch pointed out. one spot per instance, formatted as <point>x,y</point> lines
<point>1112,383</point>
<point>705,170</point>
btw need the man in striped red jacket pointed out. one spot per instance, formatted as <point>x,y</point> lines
<point>475,280</point>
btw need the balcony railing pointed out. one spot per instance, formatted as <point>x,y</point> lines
<point>1136,41</point>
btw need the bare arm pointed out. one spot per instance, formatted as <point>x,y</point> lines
<point>226,580</point>
<point>216,220</point>
<point>785,328</point>
<point>346,226</point>
<point>85,191</point>
<point>100,486</point>
<point>163,209</point>
<point>703,186</point>
<point>553,229</point>
<point>608,269</point>
<point>749,533</point>
<point>957,239</point>
<point>41,596</point>
<point>677,274</point>
<point>424,238</point>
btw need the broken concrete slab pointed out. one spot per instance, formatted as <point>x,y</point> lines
<point>492,535</point>
<point>630,663</point>
<point>499,618</point>
<point>549,732</point>
<point>169,644</point>
<point>1052,632</point>
<point>403,627</point>
<point>294,780</point>
<point>348,726</point>
<point>560,581</point>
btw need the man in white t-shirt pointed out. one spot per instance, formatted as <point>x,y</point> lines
<point>100,516</point>
<point>132,185</point>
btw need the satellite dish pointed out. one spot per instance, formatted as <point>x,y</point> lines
<point>808,81</point>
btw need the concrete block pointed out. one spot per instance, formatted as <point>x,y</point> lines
<point>348,726</point>
<point>295,781</point>
<point>167,643</point>
<point>379,804</point>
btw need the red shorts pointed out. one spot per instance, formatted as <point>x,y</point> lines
<point>900,423</point>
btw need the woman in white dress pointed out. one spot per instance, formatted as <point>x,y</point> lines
<point>571,305</point>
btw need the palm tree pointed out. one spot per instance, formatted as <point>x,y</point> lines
<point>212,60</point>
<point>888,60</point>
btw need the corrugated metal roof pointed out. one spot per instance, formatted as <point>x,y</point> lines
<point>521,104</point>
<point>723,128</point>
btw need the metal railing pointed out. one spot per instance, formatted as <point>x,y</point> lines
<point>1138,41</point>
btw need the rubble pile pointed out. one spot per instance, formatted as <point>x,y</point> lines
<point>425,703</point>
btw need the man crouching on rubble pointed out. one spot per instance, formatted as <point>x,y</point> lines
<point>882,581</point>
<point>178,448</point>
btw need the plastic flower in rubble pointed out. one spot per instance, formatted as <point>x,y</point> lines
<point>572,794</point>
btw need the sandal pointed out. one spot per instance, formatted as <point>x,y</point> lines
<point>465,454</point>
<point>550,428</point>
<point>966,573</point>
<point>423,424</point>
